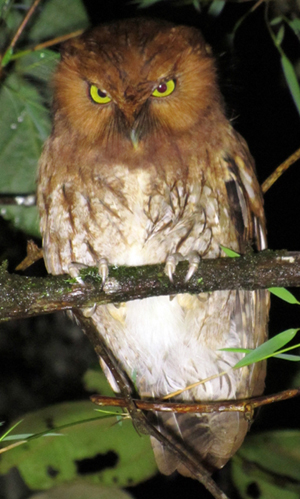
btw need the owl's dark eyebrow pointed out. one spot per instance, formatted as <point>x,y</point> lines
<point>113,57</point>
<point>152,58</point>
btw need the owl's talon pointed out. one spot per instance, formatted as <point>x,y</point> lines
<point>171,264</point>
<point>89,311</point>
<point>103,269</point>
<point>74,270</point>
<point>194,260</point>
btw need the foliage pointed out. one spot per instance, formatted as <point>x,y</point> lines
<point>85,438</point>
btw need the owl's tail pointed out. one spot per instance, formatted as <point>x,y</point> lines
<point>211,439</point>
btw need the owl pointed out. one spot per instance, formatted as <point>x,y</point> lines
<point>143,167</point>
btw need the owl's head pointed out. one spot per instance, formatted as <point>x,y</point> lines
<point>135,78</point>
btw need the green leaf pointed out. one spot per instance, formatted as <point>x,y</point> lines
<point>268,466</point>
<point>291,358</point>
<point>291,79</point>
<point>294,24</point>
<point>7,57</point>
<point>6,434</point>
<point>277,354</point>
<point>24,126</point>
<point>276,20</point>
<point>28,436</point>
<point>236,350</point>
<point>95,381</point>
<point>132,458</point>
<point>197,5</point>
<point>229,252</point>
<point>143,4</point>
<point>80,490</point>
<point>280,34</point>
<point>83,491</point>
<point>58,17</point>
<point>216,7</point>
<point>39,64</point>
<point>268,348</point>
<point>285,295</point>
<point>12,14</point>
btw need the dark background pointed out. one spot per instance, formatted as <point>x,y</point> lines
<point>43,359</point>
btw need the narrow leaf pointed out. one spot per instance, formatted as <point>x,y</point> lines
<point>285,295</point>
<point>291,79</point>
<point>276,20</point>
<point>216,8</point>
<point>280,35</point>
<point>5,436</point>
<point>291,358</point>
<point>27,436</point>
<point>229,252</point>
<point>7,57</point>
<point>268,348</point>
<point>294,24</point>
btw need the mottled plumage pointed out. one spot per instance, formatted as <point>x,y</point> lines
<point>141,175</point>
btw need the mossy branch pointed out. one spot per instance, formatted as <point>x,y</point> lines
<point>22,296</point>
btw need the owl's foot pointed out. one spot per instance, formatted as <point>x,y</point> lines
<point>173,259</point>
<point>74,271</point>
<point>171,264</point>
<point>194,259</point>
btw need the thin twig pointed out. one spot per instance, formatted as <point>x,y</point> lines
<point>23,24</point>
<point>245,406</point>
<point>280,170</point>
<point>57,40</point>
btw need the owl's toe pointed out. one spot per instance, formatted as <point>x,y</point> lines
<point>103,269</point>
<point>171,263</point>
<point>194,260</point>
<point>89,311</point>
<point>74,270</point>
<point>174,258</point>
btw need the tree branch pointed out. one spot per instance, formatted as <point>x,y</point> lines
<point>22,296</point>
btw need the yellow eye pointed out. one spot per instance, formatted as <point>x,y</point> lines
<point>164,89</point>
<point>98,95</point>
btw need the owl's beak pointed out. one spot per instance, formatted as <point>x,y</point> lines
<point>134,137</point>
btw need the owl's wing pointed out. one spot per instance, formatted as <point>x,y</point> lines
<point>214,438</point>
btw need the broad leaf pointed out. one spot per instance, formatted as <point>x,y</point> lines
<point>122,456</point>
<point>79,490</point>
<point>268,466</point>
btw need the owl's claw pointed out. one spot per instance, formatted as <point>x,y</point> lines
<point>173,259</point>
<point>74,271</point>
<point>103,269</point>
<point>171,264</point>
<point>89,311</point>
<point>194,260</point>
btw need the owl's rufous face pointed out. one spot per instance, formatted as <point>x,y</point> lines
<point>133,80</point>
